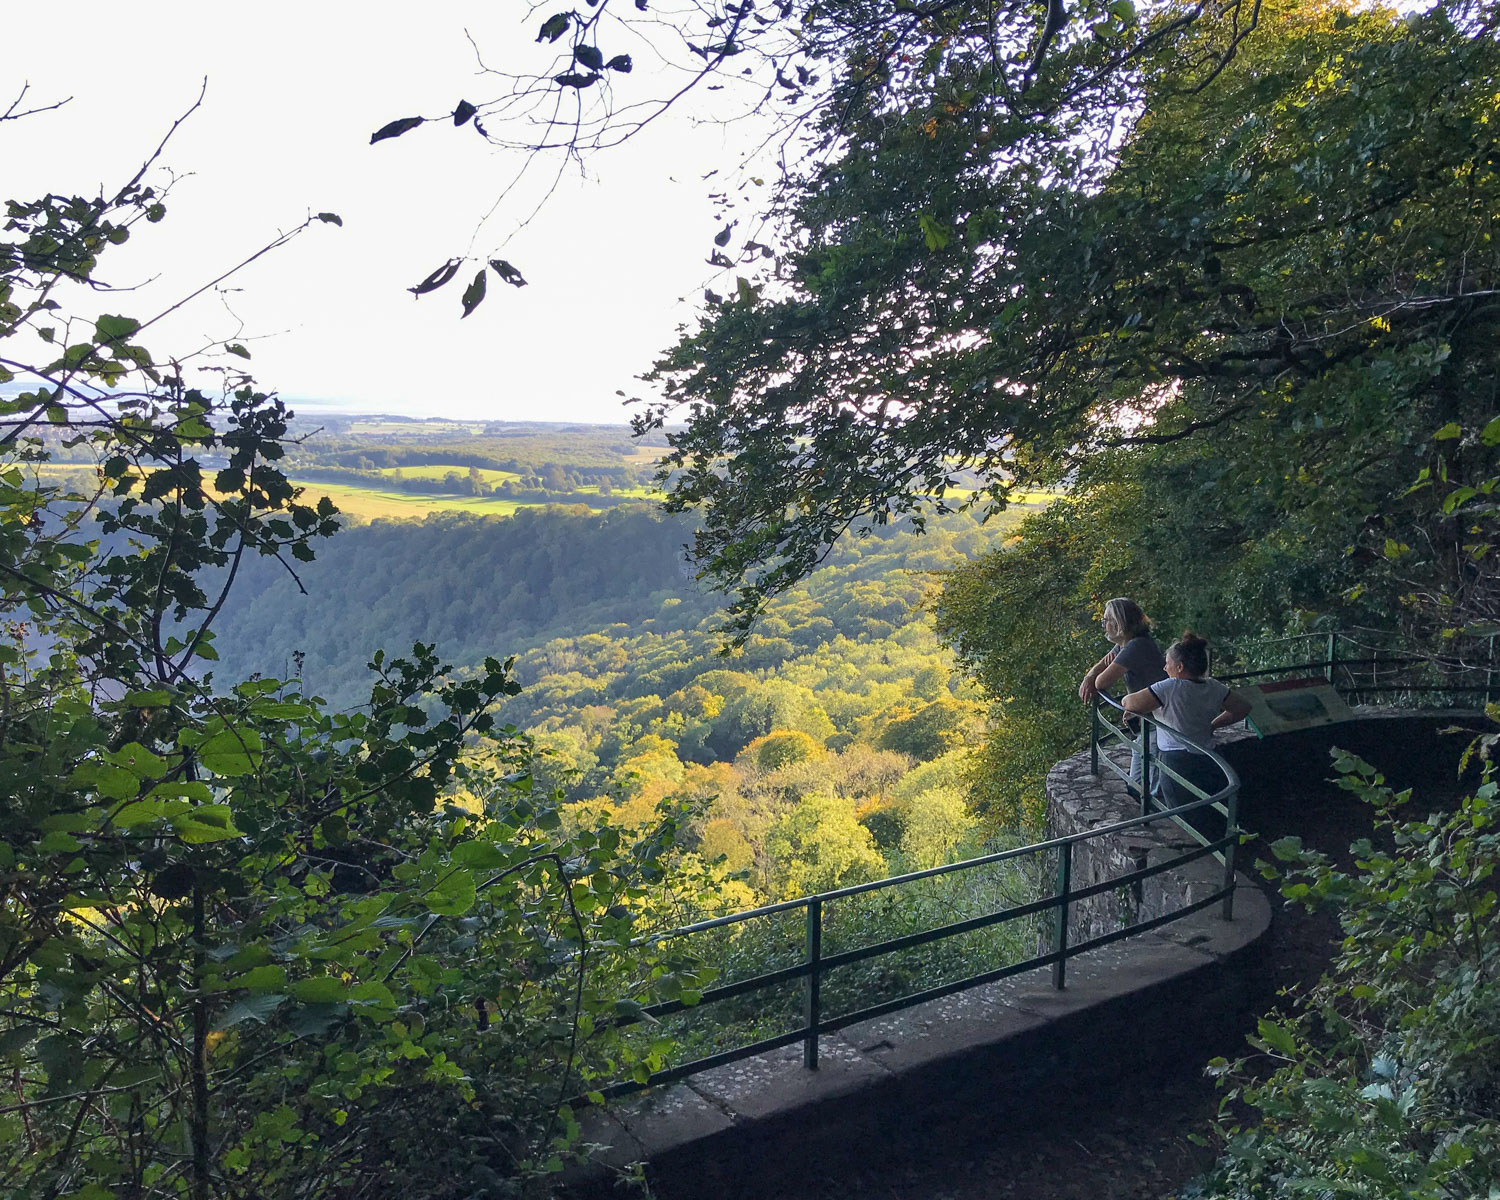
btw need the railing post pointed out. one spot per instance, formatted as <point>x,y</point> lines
<point>1060,915</point>
<point>1333,652</point>
<point>811,996</point>
<point>1489,681</point>
<point>1094,731</point>
<point>1145,780</point>
<point>1231,826</point>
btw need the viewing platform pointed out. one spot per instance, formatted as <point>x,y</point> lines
<point>1188,989</point>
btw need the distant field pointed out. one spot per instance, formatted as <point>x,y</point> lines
<point>635,493</point>
<point>440,470</point>
<point>357,501</point>
<point>1037,499</point>
<point>370,504</point>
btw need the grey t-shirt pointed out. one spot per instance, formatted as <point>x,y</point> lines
<point>1188,706</point>
<point>1143,661</point>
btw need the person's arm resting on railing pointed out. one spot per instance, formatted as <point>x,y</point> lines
<point>1236,709</point>
<point>1141,702</point>
<point>1103,674</point>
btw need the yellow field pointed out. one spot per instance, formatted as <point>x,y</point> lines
<point>1037,499</point>
<point>370,504</point>
<point>356,501</point>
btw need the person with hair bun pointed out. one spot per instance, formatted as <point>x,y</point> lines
<point>1189,705</point>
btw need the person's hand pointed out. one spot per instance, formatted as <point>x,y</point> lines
<point>1086,690</point>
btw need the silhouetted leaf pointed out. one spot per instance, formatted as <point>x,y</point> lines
<point>620,63</point>
<point>508,272</point>
<point>395,129</point>
<point>236,349</point>
<point>330,218</point>
<point>463,112</point>
<point>474,293</point>
<point>439,277</point>
<point>574,80</point>
<point>589,56</point>
<point>722,237</point>
<point>554,27</point>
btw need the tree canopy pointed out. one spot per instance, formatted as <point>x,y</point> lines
<point>1285,269</point>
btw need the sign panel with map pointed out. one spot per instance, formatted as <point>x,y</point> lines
<point>1289,704</point>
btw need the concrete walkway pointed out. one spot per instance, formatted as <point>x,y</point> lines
<point>1007,1038</point>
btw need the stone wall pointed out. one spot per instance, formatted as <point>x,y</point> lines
<point>1408,746</point>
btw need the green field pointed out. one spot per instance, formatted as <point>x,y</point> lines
<point>490,476</point>
<point>635,493</point>
<point>370,504</point>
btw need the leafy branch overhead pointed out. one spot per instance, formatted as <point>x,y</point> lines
<point>475,292</point>
<point>250,945</point>
<point>808,70</point>
<point>979,286</point>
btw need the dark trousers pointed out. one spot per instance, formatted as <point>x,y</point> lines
<point>1197,768</point>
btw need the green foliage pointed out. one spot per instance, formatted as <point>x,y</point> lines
<point>781,748</point>
<point>936,828</point>
<point>250,946</point>
<point>1385,1082</point>
<point>818,845</point>
<point>1243,321</point>
<point>932,731</point>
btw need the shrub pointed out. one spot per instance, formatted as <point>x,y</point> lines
<point>1386,1082</point>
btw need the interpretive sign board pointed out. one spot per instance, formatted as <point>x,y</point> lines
<point>1289,704</point>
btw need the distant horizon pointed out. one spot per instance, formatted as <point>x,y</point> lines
<point>350,406</point>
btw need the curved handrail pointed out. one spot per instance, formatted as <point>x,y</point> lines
<point>1055,910</point>
<point>1231,777</point>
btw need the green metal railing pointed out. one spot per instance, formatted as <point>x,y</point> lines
<point>1366,665</point>
<point>1047,914</point>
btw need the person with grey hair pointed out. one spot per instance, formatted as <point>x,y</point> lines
<point>1135,657</point>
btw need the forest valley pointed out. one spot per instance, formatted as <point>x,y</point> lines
<point>334,847</point>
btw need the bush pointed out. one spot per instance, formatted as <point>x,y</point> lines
<point>1387,1081</point>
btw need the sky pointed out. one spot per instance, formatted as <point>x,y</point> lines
<point>615,262</point>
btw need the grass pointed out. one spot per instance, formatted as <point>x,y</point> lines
<point>370,504</point>
<point>356,501</point>
<point>633,493</point>
<point>490,476</point>
<point>1020,499</point>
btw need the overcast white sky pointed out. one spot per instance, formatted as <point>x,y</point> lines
<point>294,92</point>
